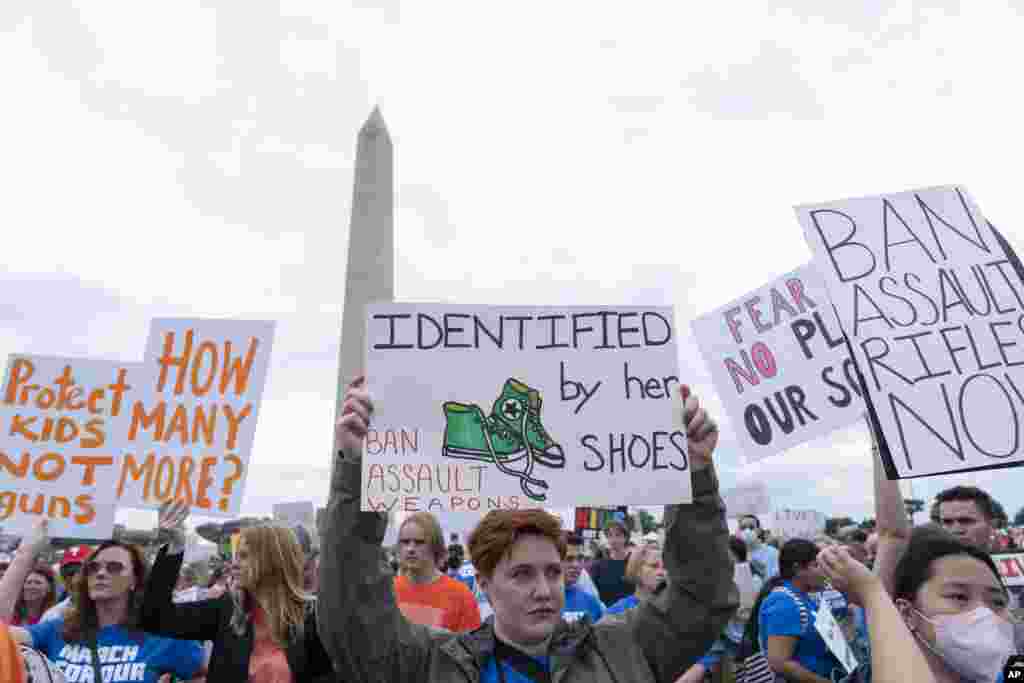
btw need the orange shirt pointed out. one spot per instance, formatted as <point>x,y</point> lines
<point>267,663</point>
<point>11,668</point>
<point>444,603</point>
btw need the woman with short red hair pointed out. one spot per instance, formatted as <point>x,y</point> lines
<point>518,555</point>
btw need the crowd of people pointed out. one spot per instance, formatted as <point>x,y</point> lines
<point>523,601</point>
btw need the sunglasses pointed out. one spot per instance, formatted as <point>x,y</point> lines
<point>114,568</point>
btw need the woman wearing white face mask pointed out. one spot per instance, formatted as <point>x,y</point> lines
<point>953,601</point>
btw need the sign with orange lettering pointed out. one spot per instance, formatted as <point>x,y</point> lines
<point>190,428</point>
<point>62,433</point>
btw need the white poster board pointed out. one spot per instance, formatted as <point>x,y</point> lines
<point>932,308</point>
<point>798,523</point>
<point>191,429</point>
<point>484,407</point>
<point>62,435</point>
<point>298,512</point>
<point>833,636</point>
<point>779,362</point>
<point>747,499</point>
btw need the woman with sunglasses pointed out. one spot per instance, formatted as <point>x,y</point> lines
<point>101,628</point>
<point>263,628</point>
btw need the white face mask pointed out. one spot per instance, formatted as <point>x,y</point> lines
<point>974,644</point>
<point>750,536</point>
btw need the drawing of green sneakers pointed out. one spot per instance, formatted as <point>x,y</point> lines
<point>518,407</point>
<point>468,433</point>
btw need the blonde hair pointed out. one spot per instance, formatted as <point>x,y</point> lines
<point>432,530</point>
<point>636,562</point>
<point>276,564</point>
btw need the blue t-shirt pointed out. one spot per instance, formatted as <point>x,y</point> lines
<point>579,603</point>
<point>628,602</point>
<point>467,575</point>
<point>124,656</point>
<point>780,616</point>
<point>490,671</point>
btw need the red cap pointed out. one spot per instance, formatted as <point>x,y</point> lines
<point>76,554</point>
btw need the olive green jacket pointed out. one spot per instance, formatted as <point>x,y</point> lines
<point>369,640</point>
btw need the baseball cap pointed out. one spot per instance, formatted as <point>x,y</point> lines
<point>76,554</point>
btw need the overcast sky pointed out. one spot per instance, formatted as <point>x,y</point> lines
<point>195,159</point>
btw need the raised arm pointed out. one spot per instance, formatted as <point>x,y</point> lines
<point>360,624</point>
<point>160,615</point>
<point>24,561</point>
<point>891,522</point>
<point>895,655</point>
<point>681,622</point>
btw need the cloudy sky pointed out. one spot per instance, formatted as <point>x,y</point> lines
<point>195,159</point>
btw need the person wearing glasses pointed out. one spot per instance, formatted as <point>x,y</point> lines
<point>101,628</point>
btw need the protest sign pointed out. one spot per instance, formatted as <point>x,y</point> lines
<point>779,362</point>
<point>191,427</point>
<point>482,407</point>
<point>934,314</point>
<point>299,512</point>
<point>1011,569</point>
<point>748,499</point>
<point>62,434</point>
<point>798,523</point>
<point>834,637</point>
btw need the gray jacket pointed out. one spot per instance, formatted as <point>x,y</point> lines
<point>368,639</point>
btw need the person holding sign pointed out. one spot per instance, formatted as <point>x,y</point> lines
<point>518,555</point>
<point>99,632</point>
<point>782,617</point>
<point>952,599</point>
<point>264,630</point>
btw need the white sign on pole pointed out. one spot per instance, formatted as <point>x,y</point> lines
<point>192,426</point>
<point>62,435</point>
<point>747,499</point>
<point>779,362</point>
<point>483,407</point>
<point>798,523</point>
<point>932,308</point>
<point>299,512</point>
<point>833,636</point>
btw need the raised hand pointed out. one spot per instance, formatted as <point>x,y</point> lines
<point>171,525</point>
<point>351,428</point>
<point>847,574</point>
<point>701,430</point>
<point>38,539</point>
